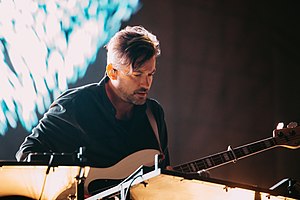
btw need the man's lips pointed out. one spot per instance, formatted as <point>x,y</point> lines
<point>141,93</point>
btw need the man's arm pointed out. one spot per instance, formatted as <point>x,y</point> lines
<point>56,132</point>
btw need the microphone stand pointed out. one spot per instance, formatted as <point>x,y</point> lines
<point>80,179</point>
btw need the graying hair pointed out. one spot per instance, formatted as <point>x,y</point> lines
<point>132,46</point>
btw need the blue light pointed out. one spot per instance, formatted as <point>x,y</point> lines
<point>46,45</point>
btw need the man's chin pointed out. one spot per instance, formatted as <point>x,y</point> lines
<point>139,101</point>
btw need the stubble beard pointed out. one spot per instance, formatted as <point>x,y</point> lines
<point>135,100</point>
<point>132,98</point>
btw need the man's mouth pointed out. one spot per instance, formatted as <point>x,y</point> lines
<point>142,93</point>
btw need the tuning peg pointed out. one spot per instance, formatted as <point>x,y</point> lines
<point>280,125</point>
<point>292,125</point>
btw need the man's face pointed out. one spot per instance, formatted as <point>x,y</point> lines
<point>134,87</point>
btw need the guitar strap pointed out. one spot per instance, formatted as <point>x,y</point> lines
<point>153,125</point>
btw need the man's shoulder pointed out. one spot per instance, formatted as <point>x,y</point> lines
<point>154,105</point>
<point>77,93</point>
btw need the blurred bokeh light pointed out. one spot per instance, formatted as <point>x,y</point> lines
<point>45,46</point>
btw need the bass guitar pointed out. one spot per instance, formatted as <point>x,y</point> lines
<point>282,137</point>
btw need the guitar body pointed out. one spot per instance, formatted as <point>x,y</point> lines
<point>125,167</point>
<point>103,178</point>
<point>106,177</point>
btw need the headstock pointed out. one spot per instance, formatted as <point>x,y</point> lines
<point>287,137</point>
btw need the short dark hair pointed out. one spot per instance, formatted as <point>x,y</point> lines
<point>132,45</point>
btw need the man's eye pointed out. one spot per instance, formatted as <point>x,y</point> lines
<point>137,75</point>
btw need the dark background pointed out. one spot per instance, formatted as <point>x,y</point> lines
<point>227,75</point>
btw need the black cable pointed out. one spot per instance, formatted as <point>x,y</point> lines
<point>126,193</point>
<point>45,178</point>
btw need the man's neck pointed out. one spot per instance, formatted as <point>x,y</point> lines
<point>123,109</point>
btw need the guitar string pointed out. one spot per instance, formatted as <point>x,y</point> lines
<point>239,151</point>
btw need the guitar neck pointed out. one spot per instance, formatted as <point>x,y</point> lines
<point>231,155</point>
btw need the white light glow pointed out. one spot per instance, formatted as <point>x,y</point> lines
<point>46,45</point>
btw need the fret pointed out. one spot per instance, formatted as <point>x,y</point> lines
<point>239,153</point>
<point>266,144</point>
<point>193,167</point>
<point>217,159</point>
<point>181,168</point>
<point>208,162</point>
<point>273,142</point>
<point>185,168</point>
<point>205,164</point>
<point>222,157</point>
<point>226,156</point>
<point>232,154</point>
<point>260,145</point>
<point>256,147</point>
<point>245,150</point>
<point>200,165</point>
<point>188,166</point>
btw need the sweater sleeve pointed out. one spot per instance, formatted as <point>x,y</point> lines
<point>52,134</point>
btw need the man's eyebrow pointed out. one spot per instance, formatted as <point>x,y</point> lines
<point>140,71</point>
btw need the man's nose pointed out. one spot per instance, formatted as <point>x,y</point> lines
<point>146,82</point>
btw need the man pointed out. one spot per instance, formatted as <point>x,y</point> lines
<point>112,118</point>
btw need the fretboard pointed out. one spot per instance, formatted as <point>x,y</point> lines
<point>231,155</point>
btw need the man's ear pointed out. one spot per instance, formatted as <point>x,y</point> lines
<point>111,72</point>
